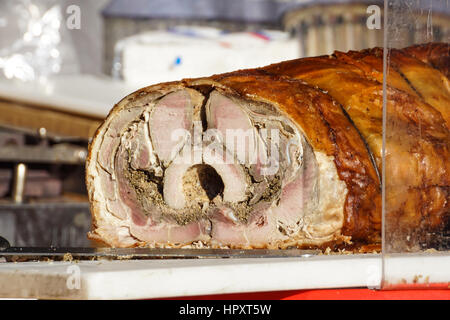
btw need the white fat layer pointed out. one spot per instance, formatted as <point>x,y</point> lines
<point>173,181</point>
<point>328,219</point>
<point>323,218</point>
<point>154,163</point>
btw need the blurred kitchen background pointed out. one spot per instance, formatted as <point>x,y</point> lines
<point>64,64</point>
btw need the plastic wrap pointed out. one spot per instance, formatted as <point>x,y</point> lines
<point>34,40</point>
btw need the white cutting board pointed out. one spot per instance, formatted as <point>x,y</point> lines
<point>141,279</point>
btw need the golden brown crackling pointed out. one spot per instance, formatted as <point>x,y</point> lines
<point>370,61</point>
<point>362,98</point>
<point>345,83</point>
<point>417,171</point>
<point>417,141</point>
<point>339,79</point>
<point>431,84</point>
<point>405,73</point>
<point>328,130</point>
<point>435,54</point>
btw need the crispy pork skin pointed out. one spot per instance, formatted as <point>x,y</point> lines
<point>436,55</point>
<point>417,125</point>
<point>289,155</point>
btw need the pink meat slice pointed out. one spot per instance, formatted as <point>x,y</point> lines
<point>230,120</point>
<point>111,138</point>
<point>171,233</point>
<point>108,184</point>
<point>260,229</point>
<point>237,132</point>
<point>117,208</point>
<point>299,192</point>
<point>142,225</point>
<point>126,191</point>
<point>225,228</point>
<point>140,159</point>
<point>264,222</point>
<point>172,115</point>
<point>109,187</point>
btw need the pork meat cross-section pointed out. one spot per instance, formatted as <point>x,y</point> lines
<point>289,155</point>
<point>204,163</point>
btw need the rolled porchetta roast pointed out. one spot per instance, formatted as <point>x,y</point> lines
<point>284,156</point>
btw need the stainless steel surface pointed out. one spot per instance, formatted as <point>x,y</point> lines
<point>36,253</point>
<point>20,173</point>
<point>60,153</point>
